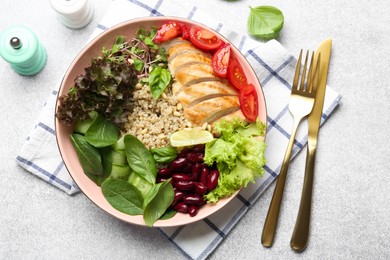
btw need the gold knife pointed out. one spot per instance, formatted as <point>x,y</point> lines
<point>301,231</point>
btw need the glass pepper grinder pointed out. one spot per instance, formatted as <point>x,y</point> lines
<point>19,46</point>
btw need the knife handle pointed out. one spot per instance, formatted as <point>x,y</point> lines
<point>301,231</point>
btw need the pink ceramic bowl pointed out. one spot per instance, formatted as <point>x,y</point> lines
<point>69,156</point>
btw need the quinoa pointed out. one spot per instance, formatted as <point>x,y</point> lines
<point>153,121</point>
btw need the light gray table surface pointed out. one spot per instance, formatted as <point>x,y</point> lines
<point>351,211</point>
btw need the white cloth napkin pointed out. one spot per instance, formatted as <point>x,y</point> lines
<point>274,67</point>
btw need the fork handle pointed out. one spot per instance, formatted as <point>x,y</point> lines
<point>301,231</point>
<point>271,220</point>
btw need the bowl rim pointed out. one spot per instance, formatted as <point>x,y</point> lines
<point>119,215</point>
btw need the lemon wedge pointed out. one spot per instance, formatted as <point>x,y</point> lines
<point>190,136</point>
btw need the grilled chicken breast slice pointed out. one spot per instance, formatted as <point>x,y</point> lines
<point>184,58</point>
<point>205,96</point>
<point>193,71</point>
<point>195,93</point>
<point>199,112</point>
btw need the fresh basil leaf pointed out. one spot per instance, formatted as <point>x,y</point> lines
<point>164,154</point>
<point>123,196</point>
<point>140,159</point>
<point>265,22</point>
<point>159,204</point>
<point>102,132</point>
<point>159,79</point>
<point>89,156</point>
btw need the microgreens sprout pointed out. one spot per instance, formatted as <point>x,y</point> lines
<point>108,84</point>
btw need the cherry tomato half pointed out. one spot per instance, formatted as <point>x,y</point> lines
<point>167,31</point>
<point>248,102</point>
<point>185,31</point>
<point>204,39</point>
<point>220,60</point>
<point>235,74</point>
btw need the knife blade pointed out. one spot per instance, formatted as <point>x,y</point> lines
<point>301,231</point>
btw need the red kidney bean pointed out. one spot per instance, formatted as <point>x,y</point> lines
<point>161,179</point>
<point>200,188</point>
<point>196,172</point>
<point>180,177</point>
<point>178,196</point>
<point>198,148</point>
<point>183,153</point>
<point>178,164</point>
<point>212,180</point>
<point>195,157</point>
<point>193,210</point>
<point>165,172</point>
<point>181,207</point>
<point>204,176</point>
<point>184,185</point>
<point>187,168</point>
<point>193,199</point>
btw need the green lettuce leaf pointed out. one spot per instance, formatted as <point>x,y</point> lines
<point>238,154</point>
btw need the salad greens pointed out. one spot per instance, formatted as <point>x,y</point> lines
<point>101,132</point>
<point>123,196</point>
<point>164,154</point>
<point>239,155</point>
<point>108,83</point>
<point>125,169</point>
<point>88,154</point>
<point>265,22</point>
<point>140,159</point>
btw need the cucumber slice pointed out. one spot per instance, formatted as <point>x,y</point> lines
<point>118,157</point>
<point>121,172</point>
<point>141,184</point>
<point>120,145</point>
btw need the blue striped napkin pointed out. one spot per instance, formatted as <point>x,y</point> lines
<point>274,67</point>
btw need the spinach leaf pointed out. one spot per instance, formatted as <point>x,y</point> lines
<point>140,159</point>
<point>159,204</point>
<point>170,213</point>
<point>102,132</point>
<point>265,22</point>
<point>164,154</point>
<point>83,125</point>
<point>159,79</point>
<point>89,155</point>
<point>123,196</point>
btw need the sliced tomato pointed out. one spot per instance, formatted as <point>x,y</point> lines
<point>248,102</point>
<point>204,39</point>
<point>220,60</point>
<point>235,74</point>
<point>185,31</point>
<point>167,31</point>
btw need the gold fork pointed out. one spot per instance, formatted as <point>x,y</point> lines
<point>300,105</point>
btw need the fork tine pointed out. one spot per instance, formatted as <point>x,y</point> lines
<point>309,84</point>
<point>317,72</point>
<point>313,76</point>
<point>297,70</point>
<point>303,77</point>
